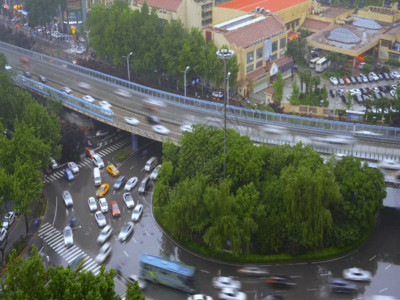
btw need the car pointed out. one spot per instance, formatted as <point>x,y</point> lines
<point>128,200</point>
<point>386,75</point>
<point>122,93</point>
<point>374,76</point>
<point>137,213</point>
<point>131,183</point>
<point>272,297</point>
<point>154,174</point>
<point>334,80</point>
<point>358,98</point>
<point>102,190</point>
<point>344,99</point>
<point>221,282</point>
<point>161,129</point>
<point>380,76</point>
<point>339,285</point>
<point>346,80</point>
<point>132,121</point>
<point>396,74</point>
<point>186,127</point>
<point>355,92</point>
<point>341,81</point>
<point>364,91</point>
<point>392,93</point>
<point>381,88</point>
<point>68,175</point>
<point>231,294</point>
<point>97,161</point>
<point>132,278</point>
<point>100,219</point>
<point>104,252</point>
<point>252,271</point>
<point>199,297</point>
<point>361,65</point>
<point>383,94</point>
<point>105,104</point>
<point>67,198</point>
<point>7,67</point>
<point>68,236</point>
<point>126,230</point>
<point>3,234</point>
<point>42,79</point>
<point>120,182</point>
<point>92,204</point>
<point>101,132</point>
<point>105,233</point>
<point>80,50</point>
<point>8,219</point>
<point>88,98</point>
<point>391,76</point>
<point>356,274</point>
<point>359,79</point>
<point>389,164</point>
<point>84,85</point>
<point>89,152</point>
<point>371,78</point>
<point>353,80</point>
<point>364,78</point>
<point>66,89</point>
<point>153,119</point>
<point>27,74</point>
<point>73,167</point>
<point>280,281</point>
<point>103,205</point>
<point>217,95</point>
<point>77,263</point>
<point>54,164</point>
<point>333,93</point>
<point>112,170</point>
<point>115,209</point>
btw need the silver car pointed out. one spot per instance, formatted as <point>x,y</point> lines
<point>67,199</point>
<point>131,183</point>
<point>137,213</point>
<point>103,205</point>
<point>125,231</point>
<point>8,219</point>
<point>68,236</point>
<point>154,174</point>
<point>92,204</point>
<point>73,167</point>
<point>128,200</point>
<point>104,234</point>
<point>100,219</point>
<point>104,252</point>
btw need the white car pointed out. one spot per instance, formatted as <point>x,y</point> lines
<point>3,234</point>
<point>88,98</point>
<point>128,200</point>
<point>356,274</point>
<point>105,233</point>
<point>132,278</point>
<point>105,104</point>
<point>226,282</point>
<point>97,161</point>
<point>137,213</point>
<point>161,129</point>
<point>104,252</point>
<point>54,164</point>
<point>100,219</point>
<point>8,219</point>
<point>67,199</point>
<point>131,183</point>
<point>132,121</point>
<point>80,50</point>
<point>199,297</point>
<point>364,78</point>
<point>84,85</point>
<point>231,294</point>
<point>389,164</point>
<point>123,93</point>
<point>396,74</point>
<point>103,205</point>
<point>392,93</point>
<point>92,204</point>
<point>186,127</point>
<point>67,90</point>
<point>73,167</point>
<point>154,174</point>
<point>68,236</point>
<point>7,67</point>
<point>334,80</point>
<point>374,76</point>
<point>355,92</point>
<point>218,94</point>
<point>125,231</point>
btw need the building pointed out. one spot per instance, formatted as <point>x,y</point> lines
<point>192,13</point>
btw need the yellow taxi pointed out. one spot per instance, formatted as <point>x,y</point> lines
<point>102,190</point>
<point>112,170</point>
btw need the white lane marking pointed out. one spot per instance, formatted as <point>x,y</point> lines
<point>373,257</point>
<point>161,248</point>
<point>55,214</point>
<point>145,231</point>
<point>205,271</point>
<point>382,290</point>
<point>312,289</point>
<point>387,267</point>
<point>134,240</point>
<point>126,253</point>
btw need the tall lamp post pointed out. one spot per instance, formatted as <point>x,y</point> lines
<point>127,63</point>
<point>184,79</point>
<point>225,54</point>
<point>227,87</point>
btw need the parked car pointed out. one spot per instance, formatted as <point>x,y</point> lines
<point>120,182</point>
<point>100,219</point>
<point>125,231</point>
<point>8,219</point>
<point>359,79</point>
<point>380,76</point>
<point>332,93</point>
<point>341,81</point>
<point>92,204</point>
<point>131,183</point>
<point>137,213</point>
<point>104,252</point>
<point>3,234</point>
<point>353,80</point>
<point>128,200</point>
<point>346,80</point>
<point>334,80</point>
<point>103,205</point>
<point>374,76</point>
<point>54,164</point>
<point>356,274</point>
<point>73,167</point>
<point>358,98</point>
<point>105,233</point>
<point>386,75</point>
<point>68,175</point>
<point>67,199</point>
<point>115,209</point>
<point>339,285</point>
<point>68,236</point>
<point>364,78</point>
<point>221,282</point>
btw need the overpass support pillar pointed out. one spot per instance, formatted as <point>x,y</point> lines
<point>354,62</point>
<point>134,142</point>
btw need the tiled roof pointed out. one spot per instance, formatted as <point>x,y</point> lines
<point>256,73</point>
<point>250,5</point>
<point>279,62</point>
<point>315,24</point>
<point>242,82</point>
<point>170,5</point>
<point>243,37</point>
<point>269,90</point>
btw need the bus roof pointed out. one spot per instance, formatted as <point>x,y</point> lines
<point>168,265</point>
<point>321,60</point>
<point>315,59</point>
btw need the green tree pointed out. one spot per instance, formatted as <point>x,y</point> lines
<point>294,98</point>
<point>370,59</point>
<point>41,12</point>
<point>278,85</point>
<point>133,292</point>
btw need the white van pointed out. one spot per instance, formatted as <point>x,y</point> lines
<point>96,176</point>
<point>144,184</point>
<point>150,164</point>
<point>97,161</point>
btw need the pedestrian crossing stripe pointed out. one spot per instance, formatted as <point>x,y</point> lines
<point>55,239</point>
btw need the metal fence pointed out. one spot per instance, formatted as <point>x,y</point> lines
<point>249,114</point>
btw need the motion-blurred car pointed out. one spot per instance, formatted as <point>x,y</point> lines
<point>280,281</point>
<point>131,183</point>
<point>154,174</point>
<point>161,129</point>
<point>89,152</point>
<point>112,170</point>
<point>105,104</point>
<point>67,199</point>
<point>27,74</point>
<point>132,278</point>
<point>100,219</point>
<point>73,167</point>
<point>68,175</point>
<point>103,205</point>
<point>102,190</point>
<point>389,164</point>
<point>137,213</point>
<point>226,282</point>
<point>339,285</point>
<point>115,209</point>
<point>356,274</point>
<point>101,133</point>
<point>125,231</point>
<point>84,85</point>
<point>122,93</point>
<point>132,121</point>
<point>68,236</point>
<point>105,233</point>
<point>120,182</point>
<point>92,204</point>
<point>77,263</point>
<point>231,294</point>
<point>88,98</point>
<point>186,127</point>
<point>104,252</point>
<point>42,79</point>
<point>128,200</point>
<point>252,271</point>
<point>153,119</point>
<point>66,89</point>
<point>8,219</point>
<point>97,161</point>
<point>272,297</point>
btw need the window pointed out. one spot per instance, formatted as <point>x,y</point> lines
<point>250,57</point>
<point>385,43</point>
<point>259,64</point>
<point>282,43</point>
<point>274,46</point>
<point>259,53</point>
<point>249,68</point>
<point>274,57</point>
<point>394,56</point>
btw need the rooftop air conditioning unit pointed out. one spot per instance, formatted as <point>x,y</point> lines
<point>261,10</point>
<point>267,11</point>
<point>257,9</point>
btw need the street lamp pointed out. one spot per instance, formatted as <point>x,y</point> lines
<point>127,63</point>
<point>225,54</point>
<point>227,87</point>
<point>334,106</point>
<point>184,76</point>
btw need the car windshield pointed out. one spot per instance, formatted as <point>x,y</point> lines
<point>126,229</point>
<point>115,207</point>
<point>68,233</point>
<point>100,216</point>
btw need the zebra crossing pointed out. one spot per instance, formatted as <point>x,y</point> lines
<point>86,161</point>
<point>55,240</point>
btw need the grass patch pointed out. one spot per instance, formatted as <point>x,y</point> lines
<point>123,153</point>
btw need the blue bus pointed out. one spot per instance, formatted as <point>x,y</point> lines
<point>169,273</point>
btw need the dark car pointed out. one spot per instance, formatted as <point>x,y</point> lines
<point>353,80</point>
<point>339,285</point>
<point>381,88</point>
<point>378,95</point>
<point>364,91</point>
<point>153,120</point>
<point>358,98</point>
<point>366,97</point>
<point>386,75</point>
<point>42,79</point>
<point>344,99</point>
<point>119,183</point>
<point>388,88</point>
<point>391,76</point>
<point>332,93</point>
<point>280,281</point>
<point>359,79</point>
<point>27,74</point>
